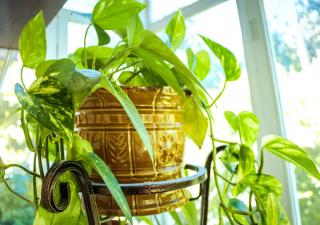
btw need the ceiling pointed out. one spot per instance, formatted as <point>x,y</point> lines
<point>14,14</point>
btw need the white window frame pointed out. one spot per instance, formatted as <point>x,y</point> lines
<point>264,89</point>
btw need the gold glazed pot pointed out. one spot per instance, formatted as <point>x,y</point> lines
<point>102,121</point>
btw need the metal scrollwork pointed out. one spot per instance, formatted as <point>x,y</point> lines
<point>51,181</point>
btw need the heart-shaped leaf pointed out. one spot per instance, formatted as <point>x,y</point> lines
<point>290,152</point>
<point>248,127</point>
<point>32,42</point>
<point>78,82</point>
<point>49,102</point>
<point>103,37</point>
<point>114,14</point>
<point>176,30</point>
<point>202,67</point>
<point>232,119</point>
<point>195,123</point>
<point>228,61</point>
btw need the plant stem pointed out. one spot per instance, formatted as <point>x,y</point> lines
<point>225,142</point>
<point>21,78</point>
<point>219,95</point>
<point>237,221</point>
<point>23,168</point>
<point>94,58</point>
<point>26,131</point>
<point>62,149</point>
<point>35,194</point>
<point>123,68</point>
<point>46,149</point>
<point>56,143</point>
<point>39,147</point>
<point>261,162</point>
<point>250,207</point>
<point>16,193</point>
<point>84,47</point>
<point>226,180</point>
<point>114,58</point>
<point>215,172</point>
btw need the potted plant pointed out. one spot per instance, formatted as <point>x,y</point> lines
<point>133,103</point>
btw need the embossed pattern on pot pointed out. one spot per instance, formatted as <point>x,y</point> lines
<point>102,121</point>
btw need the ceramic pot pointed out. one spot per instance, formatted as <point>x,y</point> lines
<point>102,121</point>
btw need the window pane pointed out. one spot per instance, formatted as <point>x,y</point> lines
<point>162,8</point>
<point>295,35</point>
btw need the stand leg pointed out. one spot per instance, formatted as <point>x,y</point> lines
<point>205,188</point>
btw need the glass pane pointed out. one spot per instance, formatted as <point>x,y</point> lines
<point>84,6</point>
<point>162,8</point>
<point>295,35</point>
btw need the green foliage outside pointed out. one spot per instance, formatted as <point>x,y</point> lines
<point>13,210</point>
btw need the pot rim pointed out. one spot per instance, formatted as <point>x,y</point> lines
<point>163,89</point>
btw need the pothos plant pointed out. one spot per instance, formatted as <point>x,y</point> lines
<point>140,58</point>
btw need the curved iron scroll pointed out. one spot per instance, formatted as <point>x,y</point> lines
<point>51,181</point>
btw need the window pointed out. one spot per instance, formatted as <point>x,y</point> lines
<point>290,71</point>
<point>295,35</point>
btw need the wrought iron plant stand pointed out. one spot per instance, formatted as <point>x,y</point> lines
<point>88,189</point>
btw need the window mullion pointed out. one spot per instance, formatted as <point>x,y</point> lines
<point>265,96</point>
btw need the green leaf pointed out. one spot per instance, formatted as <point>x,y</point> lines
<point>134,30</point>
<point>159,67</point>
<point>79,151</point>
<point>43,67</point>
<point>290,152</point>
<point>176,217</point>
<point>262,185</point>
<point>190,213</point>
<point>130,109</point>
<point>78,82</point>
<point>131,79</point>
<point>230,157</point>
<point>103,36</point>
<point>228,61</point>
<point>272,210</point>
<point>239,206</point>
<point>191,58</point>
<point>195,123</point>
<point>151,43</point>
<point>232,119</point>
<point>114,14</point>
<point>152,79</point>
<point>248,127</point>
<point>146,219</point>
<point>176,30</point>
<point>202,67</point>
<point>2,170</point>
<point>246,162</point>
<point>32,42</point>
<point>111,182</point>
<point>102,54</point>
<point>50,104</point>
